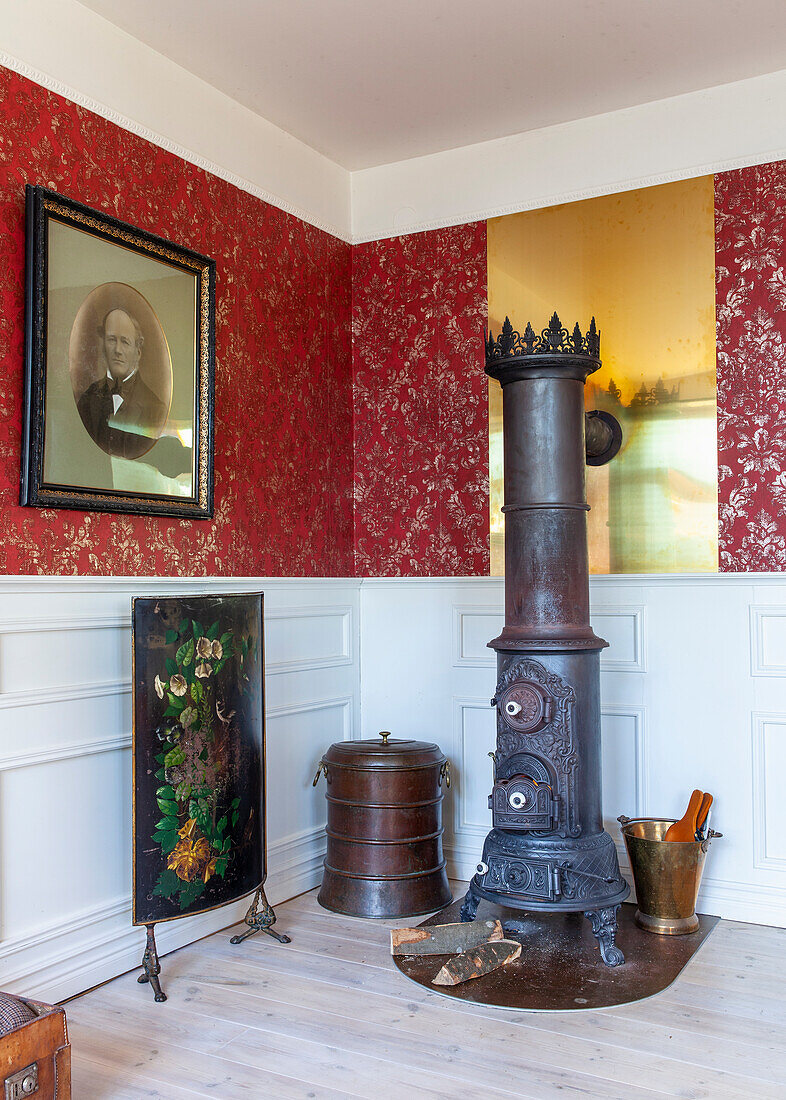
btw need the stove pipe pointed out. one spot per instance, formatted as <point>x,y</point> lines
<point>547,850</point>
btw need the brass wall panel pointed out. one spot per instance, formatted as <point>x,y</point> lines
<point>643,263</point>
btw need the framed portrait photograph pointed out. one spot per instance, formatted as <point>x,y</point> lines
<point>119,366</point>
<point>198,753</point>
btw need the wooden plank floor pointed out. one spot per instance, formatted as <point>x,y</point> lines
<point>330,1016</point>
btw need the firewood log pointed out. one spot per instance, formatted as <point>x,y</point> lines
<point>474,964</point>
<point>444,939</point>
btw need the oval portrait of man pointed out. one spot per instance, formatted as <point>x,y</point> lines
<point>121,370</point>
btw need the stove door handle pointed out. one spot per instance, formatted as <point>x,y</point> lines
<point>556,880</point>
<point>493,756</point>
<point>586,874</point>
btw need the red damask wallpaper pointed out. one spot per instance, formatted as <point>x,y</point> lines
<point>421,413</point>
<point>421,431</point>
<point>283,359</point>
<point>750,244</point>
<point>317,342</point>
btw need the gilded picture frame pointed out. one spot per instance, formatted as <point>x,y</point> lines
<point>119,366</point>
<point>198,751</point>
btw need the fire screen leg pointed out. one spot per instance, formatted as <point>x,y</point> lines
<point>151,964</point>
<point>259,918</point>
<point>604,929</point>
<point>472,900</point>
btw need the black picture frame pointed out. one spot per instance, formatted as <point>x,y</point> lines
<point>151,452</point>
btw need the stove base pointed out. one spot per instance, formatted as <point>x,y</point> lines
<point>552,874</point>
<point>603,921</point>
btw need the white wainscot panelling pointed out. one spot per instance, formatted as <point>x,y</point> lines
<point>624,775</point>
<point>54,652</point>
<point>769,804</point>
<point>623,629</point>
<point>677,707</point>
<point>624,764</point>
<point>475,734</point>
<point>473,628</point>
<point>88,837</point>
<point>60,673</point>
<point>297,736</point>
<point>304,638</point>
<point>65,763</point>
<point>768,641</point>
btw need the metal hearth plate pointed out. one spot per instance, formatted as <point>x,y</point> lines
<point>560,967</point>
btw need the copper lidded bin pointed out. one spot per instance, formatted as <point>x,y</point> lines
<point>384,828</point>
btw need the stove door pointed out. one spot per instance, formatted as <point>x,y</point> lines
<point>522,803</point>
<point>523,878</point>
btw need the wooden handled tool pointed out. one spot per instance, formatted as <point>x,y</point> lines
<point>685,828</point>
<point>474,964</point>
<point>444,939</point>
<point>704,810</point>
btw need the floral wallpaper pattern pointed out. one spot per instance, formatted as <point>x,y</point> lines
<point>351,410</point>
<point>421,409</point>
<point>750,244</point>
<point>283,488</point>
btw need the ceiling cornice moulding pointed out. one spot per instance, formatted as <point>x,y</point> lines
<point>700,133</point>
<point>69,49</point>
<point>614,188</point>
<point>163,142</point>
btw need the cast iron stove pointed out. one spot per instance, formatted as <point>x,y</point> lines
<point>547,850</point>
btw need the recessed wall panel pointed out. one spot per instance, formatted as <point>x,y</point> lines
<point>307,639</point>
<point>477,728</point>
<point>35,659</point>
<point>620,776</point>
<point>65,839</point>
<point>296,739</point>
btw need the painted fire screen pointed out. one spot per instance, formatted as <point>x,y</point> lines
<point>199,763</point>
<point>643,263</point>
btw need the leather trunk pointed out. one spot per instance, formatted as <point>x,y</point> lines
<point>41,1043</point>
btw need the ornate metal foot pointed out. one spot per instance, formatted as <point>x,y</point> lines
<point>151,964</point>
<point>259,918</point>
<point>472,900</point>
<point>604,929</point>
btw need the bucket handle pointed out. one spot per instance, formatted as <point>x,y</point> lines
<point>444,773</point>
<point>705,841</point>
<point>711,835</point>
<point>322,768</point>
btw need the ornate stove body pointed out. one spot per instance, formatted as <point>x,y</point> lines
<point>547,850</point>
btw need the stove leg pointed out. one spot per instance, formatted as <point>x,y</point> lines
<point>604,929</point>
<point>470,904</point>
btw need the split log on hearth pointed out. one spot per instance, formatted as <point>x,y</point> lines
<point>444,939</point>
<point>474,964</point>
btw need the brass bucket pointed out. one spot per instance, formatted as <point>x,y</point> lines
<point>667,874</point>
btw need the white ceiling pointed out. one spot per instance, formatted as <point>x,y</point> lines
<point>370,82</point>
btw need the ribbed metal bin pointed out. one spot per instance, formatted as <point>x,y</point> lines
<point>384,829</point>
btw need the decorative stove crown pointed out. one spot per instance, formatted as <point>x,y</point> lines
<point>553,340</point>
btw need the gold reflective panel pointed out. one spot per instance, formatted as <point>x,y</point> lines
<point>643,263</point>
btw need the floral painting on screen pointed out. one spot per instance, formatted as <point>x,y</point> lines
<point>198,753</point>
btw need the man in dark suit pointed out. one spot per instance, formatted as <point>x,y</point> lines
<point>120,412</point>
